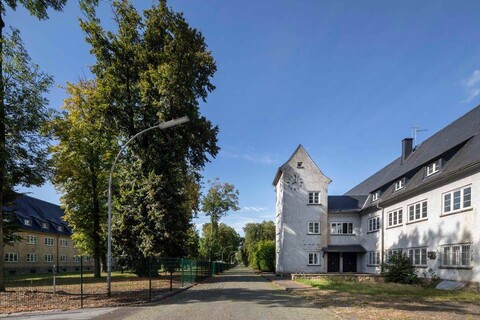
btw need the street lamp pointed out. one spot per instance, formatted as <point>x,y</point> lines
<point>224,250</point>
<point>163,125</point>
<point>230,256</point>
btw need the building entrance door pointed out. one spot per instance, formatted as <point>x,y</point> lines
<point>349,262</point>
<point>333,262</point>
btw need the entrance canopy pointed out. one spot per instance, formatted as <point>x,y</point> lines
<point>344,248</point>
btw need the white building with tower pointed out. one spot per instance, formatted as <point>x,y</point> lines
<point>423,204</point>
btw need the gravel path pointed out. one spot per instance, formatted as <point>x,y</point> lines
<point>237,294</point>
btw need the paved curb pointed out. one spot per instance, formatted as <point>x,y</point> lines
<point>283,283</point>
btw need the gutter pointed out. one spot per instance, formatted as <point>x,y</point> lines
<point>383,236</point>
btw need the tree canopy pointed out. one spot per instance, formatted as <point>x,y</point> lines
<point>81,162</point>
<point>153,67</point>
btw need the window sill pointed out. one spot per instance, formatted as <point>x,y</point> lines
<point>343,234</point>
<point>313,234</point>
<point>373,231</point>
<point>314,265</point>
<point>420,267</point>
<point>455,268</point>
<point>456,212</point>
<point>416,221</point>
<point>373,265</point>
<point>314,204</point>
<point>394,226</point>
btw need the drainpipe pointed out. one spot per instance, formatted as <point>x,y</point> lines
<point>382,246</point>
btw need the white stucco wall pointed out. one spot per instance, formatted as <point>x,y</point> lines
<point>295,243</point>
<point>435,231</point>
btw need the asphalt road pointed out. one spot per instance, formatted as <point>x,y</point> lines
<point>237,294</point>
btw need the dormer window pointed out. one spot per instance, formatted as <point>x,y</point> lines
<point>433,167</point>
<point>300,165</point>
<point>44,225</point>
<point>27,222</point>
<point>399,184</point>
<point>376,195</point>
<point>60,228</point>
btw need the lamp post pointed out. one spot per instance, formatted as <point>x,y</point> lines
<point>224,250</point>
<point>163,125</point>
<point>230,256</point>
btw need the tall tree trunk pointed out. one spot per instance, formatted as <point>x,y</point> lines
<point>3,155</point>
<point>96,226</point>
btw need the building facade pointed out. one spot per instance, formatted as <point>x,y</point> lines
<point>45,244</point>
<point>424,204</point>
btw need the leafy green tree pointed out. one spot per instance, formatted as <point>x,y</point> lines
<point>219,200</point>
<point>82,161</point>
<point>254,234</point>
<point>227,238</point>
<point>23,112</point>
<point>264,256</point>
<point>155,67</point>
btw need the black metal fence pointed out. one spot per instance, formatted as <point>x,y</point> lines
<point>72,290</point>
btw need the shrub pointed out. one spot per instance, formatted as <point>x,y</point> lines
<point>399,269</point>
<point>264,256</point>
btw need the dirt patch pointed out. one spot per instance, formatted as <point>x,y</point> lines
<point>358,306</point>
<point>67,297</point>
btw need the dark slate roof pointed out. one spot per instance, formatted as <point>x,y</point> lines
<point>346,203</point>
<point>39,211</point>
<point>459,140</point>
<point>344,248</point>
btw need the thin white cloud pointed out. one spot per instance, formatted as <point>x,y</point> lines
<point>472,84</point>
<point>264,159</point>
<point>255,209</point>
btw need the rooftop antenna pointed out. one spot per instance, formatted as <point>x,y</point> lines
<point>415,130</point>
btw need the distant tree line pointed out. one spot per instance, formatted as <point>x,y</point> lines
<point>258,249</point>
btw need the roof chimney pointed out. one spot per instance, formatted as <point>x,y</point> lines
<point>407,148</point>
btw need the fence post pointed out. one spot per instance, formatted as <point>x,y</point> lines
<point>149,278</point>
<point>81,282</point>
<point>54,282</point>
<point>171,279</point>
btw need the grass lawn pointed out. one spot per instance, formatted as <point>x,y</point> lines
<point>393,290</point>
<point>361,300</point>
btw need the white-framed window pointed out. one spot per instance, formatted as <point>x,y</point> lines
<point>76,259</point>
<point>376,195</point>
<point>313,258</point>
<point>27,222</point>
<point>433,167</point>
<point>456,255</point>
<point>313,227</point>
<point>395,218</point>
<point>49,241</point>
<point>11,257</point>
<point>342,228</point>
<point>417,211</point>
<point>32,257</point>
<point>87,258</point>
<point>63,258</point>
<point>49,258</point>
<point>63,243</point>
<point>399,184</point>
<point>374,258</point>
<point>32,239</point>
<point>314,197</point>
<point>457,199</point>
<point>418,256</point>
<point>44,225</point>
<point>373,224</point>
<point>393,252</point>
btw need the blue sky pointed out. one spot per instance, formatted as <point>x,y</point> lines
<point>346,79</point>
